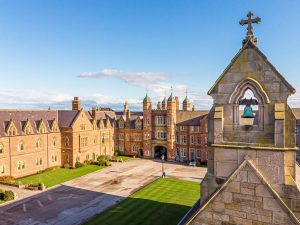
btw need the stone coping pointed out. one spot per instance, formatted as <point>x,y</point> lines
<point>253,147</point>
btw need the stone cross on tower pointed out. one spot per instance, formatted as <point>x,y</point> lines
<point>249,21</point>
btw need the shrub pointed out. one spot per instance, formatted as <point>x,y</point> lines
<point>9,195</point>
<point>103,157</point>
<point>79,164</point>
<point>104,163</point>
<point>7,179</point>
<point>88,162</point>
<point>66,166</point>
<point>1,194</point>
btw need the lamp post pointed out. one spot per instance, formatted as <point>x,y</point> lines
<point>162,166</point>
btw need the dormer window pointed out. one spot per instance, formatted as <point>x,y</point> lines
<point>28,130</point>
<point>12,131</point>
<point>42,130</point>
<point>82,126</point>
<point>121,124</point>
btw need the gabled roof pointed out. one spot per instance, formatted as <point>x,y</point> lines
<point>251,166</point>
<point>66,117</point>
<point>248,45</point>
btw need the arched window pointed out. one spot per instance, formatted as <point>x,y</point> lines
<point>134,148</point>
<point>1,148</point>
<point>21,146</point>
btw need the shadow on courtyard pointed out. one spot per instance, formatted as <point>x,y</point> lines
<point>69,205</point>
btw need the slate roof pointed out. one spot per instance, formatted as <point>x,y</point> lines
<point>190,118</point>
<point>19,118</point>
<point>66,117</point>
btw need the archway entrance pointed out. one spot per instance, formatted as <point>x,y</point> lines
<point>159,151</point>
<point>141,152</point>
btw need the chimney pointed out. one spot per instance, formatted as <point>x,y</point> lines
<point>177,102</point>
<point>159,105</point>
<point>76,104</point>
<point>125,107</point>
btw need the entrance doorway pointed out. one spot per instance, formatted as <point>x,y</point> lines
<point>192,156</point>
<point>159,151</point>
<point>141,152</point>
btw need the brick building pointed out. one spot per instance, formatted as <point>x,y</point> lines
<point>33,140</point>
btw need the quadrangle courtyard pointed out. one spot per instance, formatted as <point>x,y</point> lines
<point>77,200</point>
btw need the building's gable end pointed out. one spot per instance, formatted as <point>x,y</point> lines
<point>250,62</point>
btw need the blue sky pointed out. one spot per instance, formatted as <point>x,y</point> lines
<point>47,47</point>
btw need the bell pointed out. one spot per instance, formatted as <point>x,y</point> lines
<point>248,113</point>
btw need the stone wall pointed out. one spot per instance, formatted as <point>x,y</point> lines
<point>245,199</point>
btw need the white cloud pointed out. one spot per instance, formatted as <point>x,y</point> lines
<point>142,79</point>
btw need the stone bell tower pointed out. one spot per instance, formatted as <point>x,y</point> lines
<point>252,175</point>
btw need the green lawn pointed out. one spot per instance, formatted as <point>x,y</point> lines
<point>59,175</point>
<point>163,202</point>
<point>124,158</point>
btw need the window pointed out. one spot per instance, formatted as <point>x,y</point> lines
<point>21,146</point>
<point>177,139</point>
<point>198,153</point>
<point>52,158</point>
<point>1,149</point>
<point>82,126</point>
<point>95,139</point>
<point>121,124</point>
<point>55,158</point>
<point>198,140</point>
<point>121,148</point>
<point>39,161</point>
<point>121,136</point>
<point>87,157</point>
<point>191,129</point>
<point>78,159</point>
<point>183,139</point>
<point>206,128</point>
<point>183,128</point>
<point>192,139</point>
<point>183,152</point>
<point>12,131</point>
<point>134,148</point>
<point>38,144</point>
<point>206,155</point>
<point>28,130</point>
<point>42,129</point>
<point>21,165</point>
<point>83,142</point>
<point>160,120</point>
<point>297,131</point>
<point>53,141</point>
<point>2,169</point>
<point>161,135</point>
<point>67,141</point>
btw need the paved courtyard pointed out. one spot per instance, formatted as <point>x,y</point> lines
<point>77,200</point>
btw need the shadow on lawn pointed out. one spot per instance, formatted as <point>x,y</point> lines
<point>136,211</point>
<point>68,205</point>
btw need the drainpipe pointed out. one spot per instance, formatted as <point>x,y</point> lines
<point>9,156</point>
